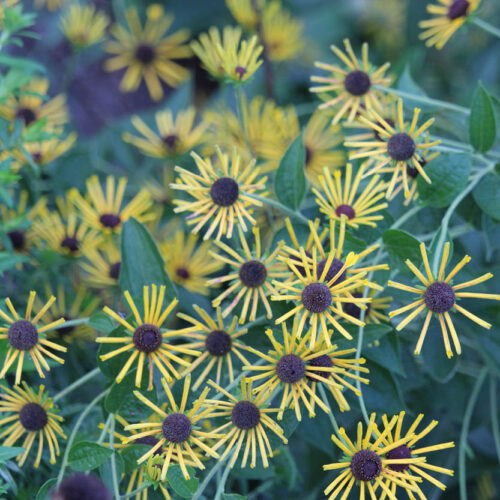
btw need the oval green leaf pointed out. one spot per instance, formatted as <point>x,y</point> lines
<point>482,123</point>
<point>185,488</point>
<point>486,195</point>
<point>85,456</point>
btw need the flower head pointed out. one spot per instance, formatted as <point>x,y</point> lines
<point>145,338</point>
<point>448,18</point>
<point>398,145</point>
<point>32,415</point>
<point>102,265</point>
<point>217,341</point>
<point>177,432</point>
<point>147,53</point>
<point>244,11</point>
<point>337,202</point>
<point>439,297</point>
<point>250,277</point>
<point>83,25</point>
<point>25,337</point>
<point>220,192</point>
<point>352,83</point>
<point>249,421</point>
<point>228,56</point>
<point>51,5</point>
<point>82,486</point>
<point>104,211</point>
<point>175,136</point>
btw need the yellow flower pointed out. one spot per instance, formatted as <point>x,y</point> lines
<point>337,202</point>
<point>178,431</point>
<point>145,339</point>
<point>321,141</point>
<point>408,451</point>
<point>228,56</point>
<point>440,297</point>
<point>147,53</point>
<point>175,137</point>
<point>220,192</point>
<point>249,419</point>
<point>250,277</point>
<point>217,341</point>
<point>296,369</point>
<point>33,415</point>
<point>353,85</point>
<point>367,463</point>
<point>396,146</point>
<point>448,18</point>
<point>49,4</point>
<point>375,309</point>
<point>190,267</point>
<point>24,337</point>
<point>104,211</point>
<point>244,12</point>
<point>31,105</point>
<point>83,25</point>
<point>102,265</point>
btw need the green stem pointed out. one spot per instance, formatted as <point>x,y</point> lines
<point>279,206</point>
<point>324,398</point>
<point>206,481</point>
<point>238,89</point>
<point>114,476</point>
<point>73,322</point>
<point>138,490</point>
<point>492,30</point>
<point>105,429</point>
<point>494,414</point>
<point>462,479</point>
<point>76,384</point>
<point>71,438</point>
<point>222,483</point>
<point>447,216</point>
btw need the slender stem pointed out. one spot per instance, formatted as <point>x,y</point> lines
<point>73,322</point>
<point>114,476</point>
<point>462,479</point>
<point>279,206</point>
<point>494,414</point>
<point>426,100</point>
<point>71,438</point>
<point>76,384</point>
<point>206,481</point>
<point>105,429</point>
<point>138,490</point>
<point>222,483</point>
<point>493,30</point>
<point>447,216</point>
<point>330,413</point>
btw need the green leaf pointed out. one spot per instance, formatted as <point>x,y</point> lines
<point>448,173</point>
<point>183,487</point>
<point>401,246</point>
<point>482,123</point>
<point>85,456</point>
<point>43,492</point>
<point>8,452</point>
<point>142,263</point>
<point>131,454</point>
<point>382,393</point>
<point>102,322</point>
<point>486,195</point>
<point>290,180</point>
<point>21,62</point>
<point>433,354</point>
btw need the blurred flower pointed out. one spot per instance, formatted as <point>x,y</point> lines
<point>178,432</point>
<point>244,12</point>
<point>367,464</point>
<point>358,209</point>
<point>82,485</point>
<point>448,18</point>
<point>32,105</point>
<point>176,135</point>
<point>146,339</point>
<point>321,141</point>
<point>33,415</point>
<point>395,147</point>
<point>440,297</point>
<point>78,304</point>
<point>228,56</point>
<point>375,309</point>
<point>102,265</point>
<point>270,128</point>
<point>217,341</point>
<point>408,451</point>
<point>83,25</point>
<point>104,211</point>
<point>160,191</point>
<point>249,419</point>
<point>147,53</point>
<point>353,85</point>
<point>250,276</point>
<point>221,193</point>
<point>49,4</point>
<point>24,337</point>
<point>187,263</point>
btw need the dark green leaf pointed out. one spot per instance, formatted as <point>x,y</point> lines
<point>290,180</point>
<point>131,454</point>
<point>482,123</point>
<point>382,393</point>
<point>487,195</point>
<point>142,264</point>
<point>385,352</point>
<point>401,246</point>
<point>8,452</point>
<point>85,456</point>
<point>43,492</point>
<point>449,173</point>
<point>101,322</point>
<point>185,488</point>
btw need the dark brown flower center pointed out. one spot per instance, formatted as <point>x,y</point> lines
<point>357,83</point>
<point>171,140</point>
<point>245,415</point>
<point>150,441</point>
<point>224,191</point>
<point>399,453</point>
<point>27,115</point>
<point>316,297</point>
<point>322,361</point>
<point>114,270</point>
<point>346,210</point>
<point>145,53</point>
<point>459,8</point>
<point>71,243</point>
<point>333,270</point>
<point>240,71</point>
<point>22,335</point>
<point>110,220</point>
<point>366,465</point>
<point>439,297</point>
<point>17,238</point>
<point>33,417</point>
<point>253,273</point>
<point>147,338</point>
<point>290,368</point>
<point>401,147</point>
<point>411,171</point>
<point>218,343</point>
<point>176,428</point>
<point>182,273</point>
<point>353,309</point>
